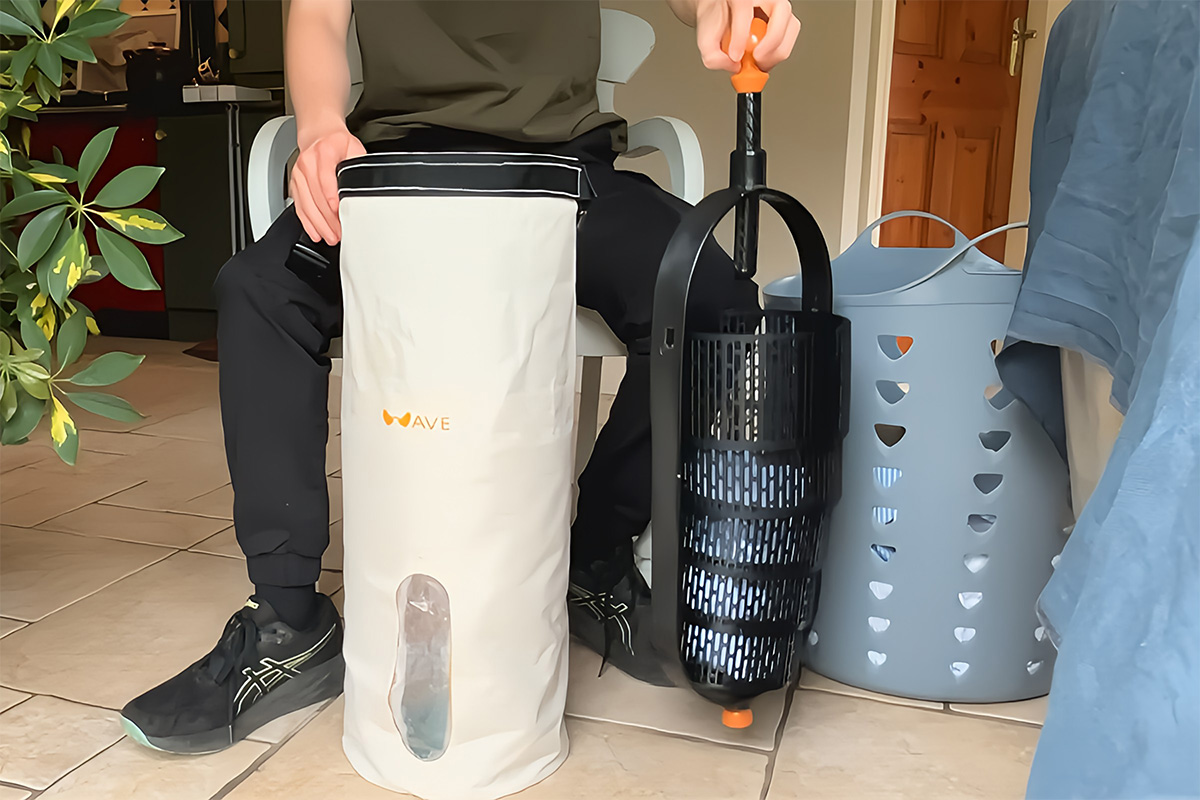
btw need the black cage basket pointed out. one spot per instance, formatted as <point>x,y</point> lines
<point>759,467</point>
<point>747,428</point>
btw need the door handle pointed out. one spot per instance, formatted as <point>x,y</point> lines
<point>1016,53</point>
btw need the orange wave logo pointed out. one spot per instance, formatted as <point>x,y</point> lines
<point>417,421</point>
<point>388,419</point>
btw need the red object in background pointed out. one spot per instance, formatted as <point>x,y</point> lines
<point>133,145</point>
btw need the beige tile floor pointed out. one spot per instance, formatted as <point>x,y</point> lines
<point>115,575</point>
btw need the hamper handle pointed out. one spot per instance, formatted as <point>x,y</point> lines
<point>864,238</point>
<point>946,256</point>
<point>959,252</point>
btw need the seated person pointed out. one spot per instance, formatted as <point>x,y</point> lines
<point>453,75</point>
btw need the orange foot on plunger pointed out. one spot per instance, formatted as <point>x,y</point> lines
<point>737,718</point>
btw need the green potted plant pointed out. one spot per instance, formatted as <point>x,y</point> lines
<point>44,218</point>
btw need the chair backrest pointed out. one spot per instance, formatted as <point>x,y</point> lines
<point>626,41</point>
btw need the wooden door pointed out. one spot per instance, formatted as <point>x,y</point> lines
<point>952,120</point>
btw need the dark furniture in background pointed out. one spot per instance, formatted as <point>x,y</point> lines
<point>193,194</point>
<point>193,143</point>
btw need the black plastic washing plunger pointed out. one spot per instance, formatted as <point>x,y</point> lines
<point>747,430</point>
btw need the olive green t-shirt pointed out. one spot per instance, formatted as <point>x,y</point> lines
<point>524,70</point>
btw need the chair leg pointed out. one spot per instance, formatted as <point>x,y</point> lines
<point>642,548</point>
<point>589,411</point>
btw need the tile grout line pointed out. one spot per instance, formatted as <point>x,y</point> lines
<point>132,508</point>
<point>984,718</point>
<point>166,510</point>
<point>93,537</point>
<point>30,623</point>
<point>21,624</point>
<point>130,541</point>
<point>788,703</point>
<point>272,749</point>
<point>742,748</point>
<point>241,777</point>
<point>71,510</point>
<point>769,774</point>
<point>945,710</point>
<point>19,787</point>
<point>17,705</point>
<point>87,761</point>
<point>58,697</point>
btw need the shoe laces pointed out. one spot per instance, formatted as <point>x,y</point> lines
<point>237,645</point>
<point>612,613</point>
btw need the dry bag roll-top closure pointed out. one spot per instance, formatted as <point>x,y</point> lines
<point>458,274</point>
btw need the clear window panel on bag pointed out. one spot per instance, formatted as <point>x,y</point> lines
<point>420,695</point>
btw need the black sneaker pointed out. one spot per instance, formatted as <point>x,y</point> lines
<point>260,669</point>
<point>615,621</point>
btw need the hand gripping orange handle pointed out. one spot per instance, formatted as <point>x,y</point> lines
<point>750,79</point>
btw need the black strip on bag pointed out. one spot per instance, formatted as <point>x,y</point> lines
<point>463,175</point>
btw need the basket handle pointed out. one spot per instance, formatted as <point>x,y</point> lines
<point>960,251</point>
<point>946,256</point>
<point>864,238</point>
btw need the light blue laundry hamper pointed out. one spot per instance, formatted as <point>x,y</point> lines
<point>954,498</point>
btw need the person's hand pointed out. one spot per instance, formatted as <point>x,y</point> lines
<point>718,19</point>
<point>314,181</point>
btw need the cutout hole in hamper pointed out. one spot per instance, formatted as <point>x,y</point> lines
<point>975,562</point>
<point>880,590</point>
<point>420,694</point>
<point>895,347</point>
<point>964,634</point>
<point>890,435</point>
<point>1033,666</point>
<point>813,638</point>
<point>1039,633</point>
<point>885,515</point>
<point>998,396</point>
<point>995,440</point>
<point>891,391</point>
<point>877,658</point>
<point>959,668</point>
<point>884,552</point>
<point>988,482</point>
<point>970,599</point>
<point>879,624</point>
<point>997,346</point>
<point>981,523</point>
<point>887,477</point>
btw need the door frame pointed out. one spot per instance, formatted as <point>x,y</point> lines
<point>870,86</point>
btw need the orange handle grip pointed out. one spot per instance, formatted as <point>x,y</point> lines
<point>750,79</point>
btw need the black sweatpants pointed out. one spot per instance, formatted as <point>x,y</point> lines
<point>273,328</point>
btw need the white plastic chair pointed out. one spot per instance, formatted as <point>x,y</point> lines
<point>625,43</point>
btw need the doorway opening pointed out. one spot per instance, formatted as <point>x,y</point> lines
<point>950,97</point>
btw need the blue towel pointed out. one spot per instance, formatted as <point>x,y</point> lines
<point>1113,271</point>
